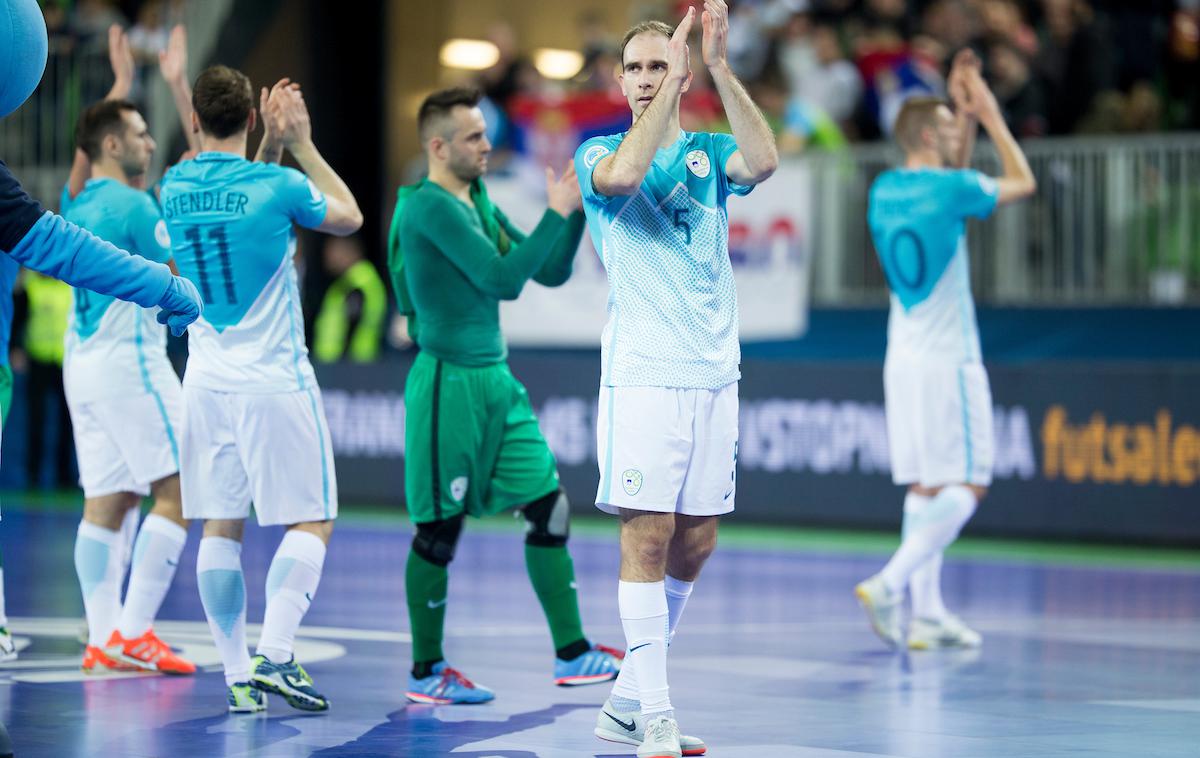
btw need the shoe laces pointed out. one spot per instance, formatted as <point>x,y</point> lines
<point>618,654</point>
<point>454,676</point>
<point>661,728</point>
<point>303,674</point>
<point>158,648</point>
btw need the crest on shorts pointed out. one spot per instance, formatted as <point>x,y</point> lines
<point>698,164</point>
<point>458,488</point>
<point>631,480</point>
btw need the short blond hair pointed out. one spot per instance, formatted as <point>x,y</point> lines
<point>657,27</point>
<point>915,116</point>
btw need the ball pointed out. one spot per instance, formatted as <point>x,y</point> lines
<point>22,52</point>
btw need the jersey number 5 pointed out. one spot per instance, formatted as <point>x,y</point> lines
<point>216,235</point>
<point>680,215</point>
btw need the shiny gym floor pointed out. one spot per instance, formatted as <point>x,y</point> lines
<point>1092,651</point>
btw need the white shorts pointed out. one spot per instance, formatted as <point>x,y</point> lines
<point>667,450</point>
<point>269,449</point>
<point>125,444</point>
<point>939,423</point>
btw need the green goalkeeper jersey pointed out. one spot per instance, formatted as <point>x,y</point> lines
<point>452,264</point>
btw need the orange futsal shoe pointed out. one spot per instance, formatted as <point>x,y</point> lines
<point>95,661</point>
<point>148,653</point>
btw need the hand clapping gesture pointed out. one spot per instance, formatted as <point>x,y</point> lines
<point>563,191</point>
<point>679,58</point>
<point>715,21</point>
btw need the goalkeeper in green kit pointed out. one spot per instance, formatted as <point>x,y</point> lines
<point>472,443</point>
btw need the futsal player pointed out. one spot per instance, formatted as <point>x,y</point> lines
<point>473,445</point>
<point>938,401</point>
<point>173,64</point>
<point>45,242</point>
<point>254,429</point>
<point>124,400</point>
<point>667,429</point>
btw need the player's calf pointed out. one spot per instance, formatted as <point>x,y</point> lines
<point>577,660</point>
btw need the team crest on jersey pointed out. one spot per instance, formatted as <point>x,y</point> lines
<point>631,480</point>
<point>160,234</point>
<point>593,155</point>
<point>458,488</point>
<point>698,164</point>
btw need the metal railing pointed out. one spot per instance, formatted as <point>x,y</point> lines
<point>38,139</point>
<point>1115,221</point>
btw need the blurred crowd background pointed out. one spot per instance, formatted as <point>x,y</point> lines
<point>830,72</point>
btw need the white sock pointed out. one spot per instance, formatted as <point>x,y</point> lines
<point>129,531</point>
<point>925,585</point>
<point>155,557</point>
<point>926,588</point>
<point>678,592</point>
<point>3,616</point>
<point>98,565</point>
<point>625,688</point>
<point>645,618</point>
<point>223,593</point>
<point>291,583</point>
<point>929,534</point>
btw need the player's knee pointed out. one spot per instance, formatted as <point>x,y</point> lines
<point>548,520</point>
<point>436,541</point>
<point>979,492</point>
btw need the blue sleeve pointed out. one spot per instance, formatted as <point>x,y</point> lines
<point>302,201</point>
<point>148,230</point>
<point>58,248</point>
<point>18,211</point>
<point>724,146</point>
<point>973,194</point>
<point>587,157</point>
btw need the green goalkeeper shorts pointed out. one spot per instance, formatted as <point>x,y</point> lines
<point>471,442</point>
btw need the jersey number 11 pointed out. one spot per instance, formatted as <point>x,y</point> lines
<point>216,235</point>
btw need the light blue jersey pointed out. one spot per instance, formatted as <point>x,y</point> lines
<point>231,226</point>
<point>672,304</point>
<point>918,222</point>
<point>115,348</point>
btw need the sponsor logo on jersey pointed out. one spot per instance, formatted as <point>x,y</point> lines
<point>631,480</point>
<point>593,155</point>
<point>458,488</point>
<point>698,163</point>
<point>312,190</point>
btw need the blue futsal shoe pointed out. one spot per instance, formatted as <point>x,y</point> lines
<point>600,664</point>
<point>446,686</point>
<point>289,680</point>
<point>243,698</point>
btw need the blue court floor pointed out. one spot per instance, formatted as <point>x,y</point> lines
<point>772,658</point>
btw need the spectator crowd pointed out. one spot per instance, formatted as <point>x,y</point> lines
<point>828,72</point>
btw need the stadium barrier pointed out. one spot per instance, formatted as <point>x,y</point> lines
<point>1115,220</point>
<point>1089,450</point>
